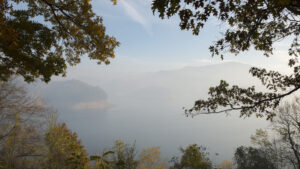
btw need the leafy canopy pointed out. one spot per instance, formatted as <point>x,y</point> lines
<point>151,158</point>
<point>252,158</point>
<point>124,155</point>
<point>64,149</point>
<point>193,156</point>
<point>39,38</point>
<point>23,119</point>
<point>250,23</point>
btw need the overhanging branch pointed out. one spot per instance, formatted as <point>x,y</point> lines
<point>256,104</point>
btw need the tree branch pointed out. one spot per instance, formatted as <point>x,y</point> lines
<point>258,103</point>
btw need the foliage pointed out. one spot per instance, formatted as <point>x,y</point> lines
<point>40,38</point>
<point>150,159</point>
<point>102,162</point>
<point>249,23</point>
<point>22,127</point>
<point>287,127</point>
<point>226,165</point>
<point>64,149</point>
<point>252,158</point>
<point>283,149</point>
<point>114,2</point>
<point>26,139</point>
<point>124,155</point>
<point>273,149</point>
<point>193,157</point>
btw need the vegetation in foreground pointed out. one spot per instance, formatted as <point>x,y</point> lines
<point>31,137</point>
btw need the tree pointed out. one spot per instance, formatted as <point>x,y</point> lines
<point>273,149</point>
<point>287,127</point>
<point>192,157</point>
<point>150,159</point>
<point>22,127</point>
<point>65,151</point>
<point>28,139</point>
<point>283,149</point>
<point>225,165</point>
<point>102,162</point>
<point>251,23</point>
<point>252,158</point>
<point>39,39</point>
<point>124,156</point>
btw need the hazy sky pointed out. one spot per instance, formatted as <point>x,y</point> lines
<point>149,43</point>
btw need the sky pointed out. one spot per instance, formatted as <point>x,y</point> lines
<point>149,43</point>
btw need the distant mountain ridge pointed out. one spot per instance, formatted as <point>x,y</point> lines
<point>75,95</point>
<point>148,108</point>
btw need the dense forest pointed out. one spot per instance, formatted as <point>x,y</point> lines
<point>40,39</point>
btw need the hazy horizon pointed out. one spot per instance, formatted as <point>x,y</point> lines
<point>147,108</point>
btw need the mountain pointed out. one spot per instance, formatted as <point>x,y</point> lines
<point>73,100</point>
<point>72,92</point>
<point>183,85</point>
<point>148,108</point>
